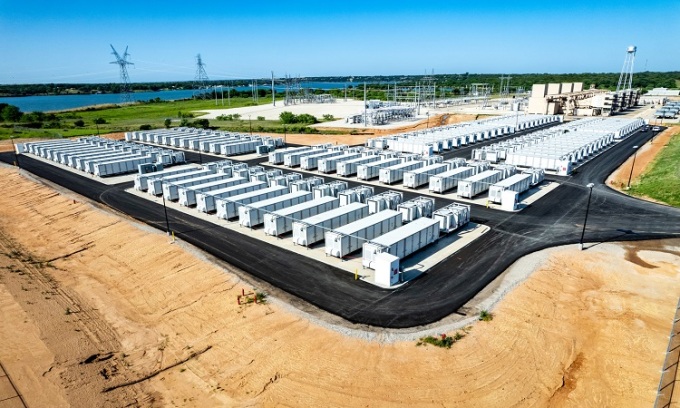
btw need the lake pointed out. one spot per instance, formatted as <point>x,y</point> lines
<point>62,102</point>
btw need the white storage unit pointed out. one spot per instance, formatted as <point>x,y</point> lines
<point>331,189</point>
<point>276,157</point>
<point>329,165</point>
<point>506,170</point>
<point>171,189</point>
<point>312,161</point>
<point>392,174</point>
<point>281,221</point>
<point>243,147</point>
<point>227,208</point>
<point>418,177</point>
<point>155,183</point>
<point>386,267</point>
<point>87,162</point>
<point>351,237</point>
<point>355,195</point>
<point>416,208</point>
<point>478,183</point>
<point>187,195</point>
<point>372,170</point>
<point>448,180</point>
<point>250,215</point>
<point>478,166</point>
<point>402,241</point>
<point>349,167</point>
<point>293,159</point>
<point>141,179</point>
<point>388,200</point>
<point>518,183</point>
<point>121,166</point>
<point>305,184</point>
<point>455,163</point>
<point>537,175</point>
<point>205,202</point>
<point>311,230</point>
<point>452,217</point>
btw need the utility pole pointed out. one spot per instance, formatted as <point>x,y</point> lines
<point>590,193</point>
<point>273,91</point>
<point>630,176</point>
<point>365,106</point>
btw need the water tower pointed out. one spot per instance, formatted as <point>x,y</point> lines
<point>626,78</point>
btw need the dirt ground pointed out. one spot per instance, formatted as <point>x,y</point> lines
<point>360,138</point>
<point>646,154</point>
<point>92,301</point>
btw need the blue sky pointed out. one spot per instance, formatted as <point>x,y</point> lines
<point>69,41</point>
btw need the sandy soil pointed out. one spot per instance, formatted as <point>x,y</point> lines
<point>585,329</point>
<point>645,155</point>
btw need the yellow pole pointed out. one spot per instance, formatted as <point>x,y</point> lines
<point>356,274</point>
<point>173,236</point>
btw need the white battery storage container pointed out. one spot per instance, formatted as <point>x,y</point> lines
<point>402,241</point>
<point>205,201</point>
<point>349,238</point>
<point>281,221</point>
<point>311,230</point>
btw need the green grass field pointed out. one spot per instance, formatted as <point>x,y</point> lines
<point>127,118</point>
<point>661,181</point>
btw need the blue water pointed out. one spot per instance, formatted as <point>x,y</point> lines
<point>62,102</point>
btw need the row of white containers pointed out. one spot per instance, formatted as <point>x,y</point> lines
<point>565,149</point>
<point>99,156</point>
<point>208,141</point>
<point>437,139</point>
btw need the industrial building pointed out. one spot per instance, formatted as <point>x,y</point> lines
<point>572,100</point>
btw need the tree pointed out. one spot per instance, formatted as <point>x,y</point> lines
<point>145,127</point>
<point>201,123</point>
<point>79,123</point>
<point>11,113</point>
<point>287,117</point>
<point>99,121</point>
<point>167,123</point>
<point>306,118</point>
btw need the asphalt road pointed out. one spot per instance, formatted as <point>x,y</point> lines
<point>553,220</point>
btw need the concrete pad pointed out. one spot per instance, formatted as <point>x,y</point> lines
<point>339,109</point>
<point>413,265</point>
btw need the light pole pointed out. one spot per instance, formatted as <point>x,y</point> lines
<point>250,123</point>
<point>14,149</point>
<point>165,210</point>
<point>284,134</point>
<point>590,193</point>
<point>428,119</point>
<point>632,166</point>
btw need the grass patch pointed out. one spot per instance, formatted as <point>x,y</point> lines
<point>661,181</point>
<point>443,340</point>
<point>117,118</point>
<point>485,316</point>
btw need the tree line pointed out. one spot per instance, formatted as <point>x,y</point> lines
<point>458,83</point>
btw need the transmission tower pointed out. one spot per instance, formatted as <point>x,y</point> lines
<point>505,85</point>
<point>626,78</point>
<point>201,79</point>
<point>123,62</point>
